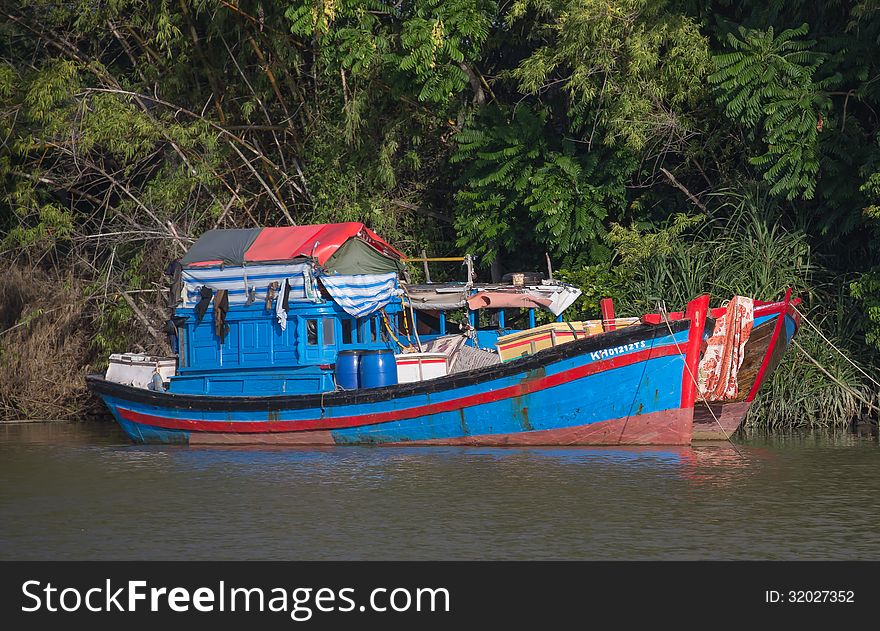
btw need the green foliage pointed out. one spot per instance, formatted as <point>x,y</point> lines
<point>596,282</point>
<point>517,184</point>
<point>744,250</point>
<point>766,82</point>
<point>349,32</point>
<point>52,88</point>
<point>38,226</point>
<point>441,35</point>
<point>114,327</point>
<point>427,40</point>
<point>635,246</point>
<point>871,189</point>
<point>867,290</point>
<point>625,64</point>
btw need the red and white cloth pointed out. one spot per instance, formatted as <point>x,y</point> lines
<point>725,351</point>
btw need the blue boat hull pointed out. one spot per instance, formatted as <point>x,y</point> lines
<point>625,387</point>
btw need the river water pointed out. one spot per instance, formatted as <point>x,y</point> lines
<point>82,491</point>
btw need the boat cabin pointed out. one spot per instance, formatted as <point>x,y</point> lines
<point>267,311</point>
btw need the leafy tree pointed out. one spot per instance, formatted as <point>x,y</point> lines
<point>630,66</point>
<point>767,83</point>
<point>518,186</point>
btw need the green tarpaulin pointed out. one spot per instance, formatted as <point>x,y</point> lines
<point>355,256</point>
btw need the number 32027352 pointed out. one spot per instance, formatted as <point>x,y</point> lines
<point>810,596</point>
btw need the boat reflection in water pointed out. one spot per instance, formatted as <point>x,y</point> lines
<point>707,464</point>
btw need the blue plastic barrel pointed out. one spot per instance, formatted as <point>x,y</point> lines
<point>377,369</point>
<point>347,369</point>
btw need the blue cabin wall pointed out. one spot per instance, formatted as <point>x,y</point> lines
<point>258,358</point>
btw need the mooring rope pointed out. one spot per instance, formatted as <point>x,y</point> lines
<point>846,387</point>
<point>831,344</point>
<point>638,389</point>
<point>662,309</point>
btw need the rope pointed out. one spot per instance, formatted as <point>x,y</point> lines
<point>638,389</point>
<point>390,332</point>
<point>405,321</point>
<point>831,344</point>
<point>662,309</point>
<point>853,392</point>
<point>413,316</point>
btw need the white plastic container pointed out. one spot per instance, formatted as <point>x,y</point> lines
<point>420,366</point>
<point>133,369</point>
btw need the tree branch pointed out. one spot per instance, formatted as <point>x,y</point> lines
<point>684,190</point>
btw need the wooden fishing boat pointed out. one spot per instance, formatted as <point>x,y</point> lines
<point>262,365</point>
<point>628,387</point>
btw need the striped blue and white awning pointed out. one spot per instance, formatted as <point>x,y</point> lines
<point>362,294</point>
<point>238,280</point>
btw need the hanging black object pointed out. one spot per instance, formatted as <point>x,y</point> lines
<point>285,304</point>
<point>221,306</point>
<point>270,294</point>
<point>170,329</point>
<point>175,272</point>
<point>205,294</point>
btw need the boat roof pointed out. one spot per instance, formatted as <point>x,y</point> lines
<point>554,296</point>
<point>280,244</point>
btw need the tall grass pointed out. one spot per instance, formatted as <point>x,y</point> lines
<point>801,395</point>
<point>743,249</point>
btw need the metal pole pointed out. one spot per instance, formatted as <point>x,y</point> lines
<point>425,263</point>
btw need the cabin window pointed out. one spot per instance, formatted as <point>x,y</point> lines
<point>348,331</point>
<point>329,330</point>
<point>368,333</point>
<point>312,332</point>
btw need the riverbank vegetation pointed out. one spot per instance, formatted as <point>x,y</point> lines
<point>654,149</point>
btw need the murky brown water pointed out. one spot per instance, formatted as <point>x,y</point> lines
<point>82,491</point>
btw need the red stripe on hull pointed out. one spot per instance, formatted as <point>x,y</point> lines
<point>780,323</point>
<point>270,426</point>
<point>667,427</point>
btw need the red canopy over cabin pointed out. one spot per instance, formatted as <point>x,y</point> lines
<point>337,245</point>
